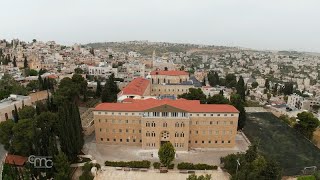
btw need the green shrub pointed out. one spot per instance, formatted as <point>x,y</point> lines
<point>190,166</point>
<point>156,165</point>
<point>171,166</point>
<point>306,178</point>
<point>131,164</point>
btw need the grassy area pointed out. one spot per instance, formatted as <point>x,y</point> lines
<point>282,143</point>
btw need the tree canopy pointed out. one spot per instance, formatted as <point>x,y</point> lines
<point>194,94</point>
<point>307,124</point>
<point>166,153</point>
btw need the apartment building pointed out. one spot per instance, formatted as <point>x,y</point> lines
<point>149,123</point>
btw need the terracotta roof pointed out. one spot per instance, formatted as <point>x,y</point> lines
<point>137,86</point>
<point>15,160</point>
<point>169,73</point>
<point>186,105</point>
<point>52,76</point>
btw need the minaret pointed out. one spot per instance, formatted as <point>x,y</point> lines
<point>153,57</point>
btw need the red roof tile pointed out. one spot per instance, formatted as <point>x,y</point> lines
<point>169,73</point>
<point>15,160</point>
<point>137,86</point>
<point>186,105</point>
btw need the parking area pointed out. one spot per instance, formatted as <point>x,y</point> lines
<point>103,152</point>
<point>112,173</point>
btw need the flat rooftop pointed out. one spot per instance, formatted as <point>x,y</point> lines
<point>11,101</point>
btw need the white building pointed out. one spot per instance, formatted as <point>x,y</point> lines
<point>102,71</point>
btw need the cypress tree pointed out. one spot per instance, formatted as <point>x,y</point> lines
<point>241,89</point>
<point>40,82</point>
<point>15,115</point>
<point>99,89</point>
<point>25,63</point>
<point>70,130</point>
<point>14,62</point>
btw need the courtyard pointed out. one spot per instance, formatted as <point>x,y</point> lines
<point>103,152</point>
<point>112,173</point>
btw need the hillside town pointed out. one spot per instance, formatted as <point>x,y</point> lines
<point>140,96</point>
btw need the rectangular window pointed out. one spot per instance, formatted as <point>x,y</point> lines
<point>99,120</point>
<point>209,142</point>
<point>127,130</point>
<point>120,140</point>
<point>139,131</point>
<point>217,132</point>
<point>108,139</point>
<point>101,139</point>
<point>120,130</point>
<point>196,142</point>
<point>202,142</point>
<point>216,142</point>
<point>225,115</point>
<point>196,132</point>
<point>204,114</point>
<point>106,120</point>
<point>218,114</point>
<point>114,140</point>
<point>231,122</point>
<point>127,140</point>
<point>164,114</point>
<point>232,114</point>
<point>211,114</point>
<point>100,129</point>
<point>127,121</point>
<point>222,142</point>
<point>210,122</point>
<point>134,140</point>
<point>229,141</point>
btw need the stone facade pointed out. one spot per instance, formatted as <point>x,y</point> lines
<point>151,127</point>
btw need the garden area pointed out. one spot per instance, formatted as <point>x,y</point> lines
<point>282,143</point>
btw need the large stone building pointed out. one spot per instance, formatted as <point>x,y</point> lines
<point>148,123</point>
<point>171,83</point>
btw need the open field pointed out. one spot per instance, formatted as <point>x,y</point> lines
<point>281,142</point>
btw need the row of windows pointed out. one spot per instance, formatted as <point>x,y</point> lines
<point>211,114</point>
<point>153,124</point>
<point>128,114</point>
<point>178,144</point>
<point>151,144</point>
<point>212,123</point>
<point>224,132</point>
<point>121,121</point>
<point>120,130</point>
<point>119,113</point>
<point>172,90</point>
<point>209,142</point>
<point>120,140</point>
<point>165,114</point>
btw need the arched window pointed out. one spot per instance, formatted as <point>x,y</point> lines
<point>153,134</point>
<point>182,124</point>
<point>153,124</point>
<point>164,80</point>
<point>165,124</point>
<point>177,124</point>
<point>152,81</point>
<point>182,134</point>
<point>147,134</point>
<point>176,134</point>
<point>158,81</point>
<point>180,80</point>
<point>147,124</point>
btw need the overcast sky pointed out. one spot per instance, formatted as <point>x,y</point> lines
<point>259,24</point>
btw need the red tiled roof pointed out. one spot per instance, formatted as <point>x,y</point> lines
<point>169,73</point>
<point>15,160</point>
<point>186,105</point>
<point>137,86</point>
<point>52,76</point>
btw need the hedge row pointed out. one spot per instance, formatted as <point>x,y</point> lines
<point>190,166</point>
<point>131,164</point>
<point>156,165</point>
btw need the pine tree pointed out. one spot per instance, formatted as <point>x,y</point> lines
<point>14,62</point>
<point>110,90</point>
